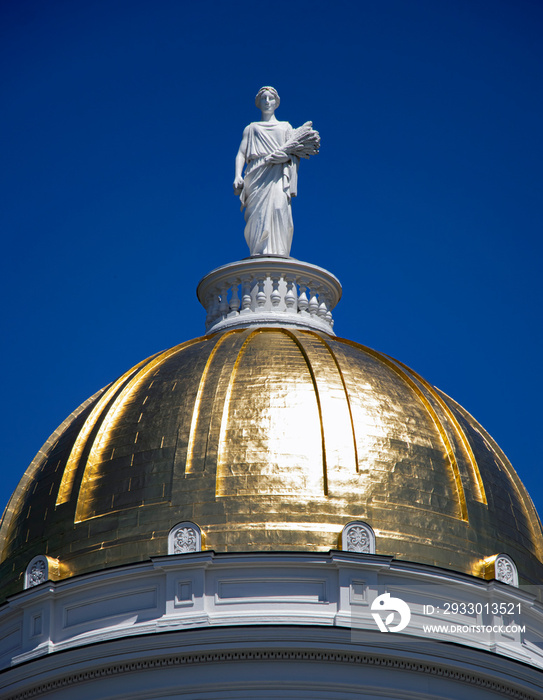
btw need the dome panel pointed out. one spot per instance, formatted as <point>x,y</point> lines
<point>271,437</point>
<point>516,518</point>
<point>396,436</point>
<point>130,435</point>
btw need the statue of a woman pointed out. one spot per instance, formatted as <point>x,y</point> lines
<point>272,150</point>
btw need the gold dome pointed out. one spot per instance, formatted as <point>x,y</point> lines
<point>269,439</point>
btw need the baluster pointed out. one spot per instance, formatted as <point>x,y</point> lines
<point>246,294</point>
<point>323,307</point>
<point>313,302</point>
<point>261,295</point>
<point>215,304</point>
<point>303,301</point>
<point>275,296</point>
<point>290,296</point>
<point>234,301</point>
<point>223,306</point>
<point>208,304</point>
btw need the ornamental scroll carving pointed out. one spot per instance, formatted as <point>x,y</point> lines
<point>37,572</point>
<point>358,537</point>
<point>185,538</point>
<point>505,570</point>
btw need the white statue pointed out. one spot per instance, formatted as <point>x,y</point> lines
<point>272,151</point>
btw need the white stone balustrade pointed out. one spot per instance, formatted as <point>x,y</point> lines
<point>269,291</point>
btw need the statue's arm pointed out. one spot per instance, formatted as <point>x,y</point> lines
<point>240,161</point>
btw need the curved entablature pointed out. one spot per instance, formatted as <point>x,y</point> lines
<point>206,592</point>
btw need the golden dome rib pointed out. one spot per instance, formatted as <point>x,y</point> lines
<point>70,470</point>
<point>221,466</point>
<point>449,451</point>
<point>84,509</point>
<point>520,489</point>
<point>196,413</point>
<point>481,495</point>
<point>339,443</point>
<point>205,424</point>
<point>347,399</point>
<point>34,467</point>
<point>319,406</point>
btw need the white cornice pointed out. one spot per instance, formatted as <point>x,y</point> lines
<point>204,591</point>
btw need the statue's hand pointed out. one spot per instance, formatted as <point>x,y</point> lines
<point>238,185</point>
<point>278,157</point>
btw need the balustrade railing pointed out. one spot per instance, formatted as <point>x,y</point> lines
<point>267,291</point>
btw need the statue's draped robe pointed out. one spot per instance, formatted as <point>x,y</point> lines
<point>267,190</point>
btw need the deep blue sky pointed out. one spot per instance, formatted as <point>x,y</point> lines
<point>120,123</point>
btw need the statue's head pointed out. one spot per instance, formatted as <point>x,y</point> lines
<point>272,91</point>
